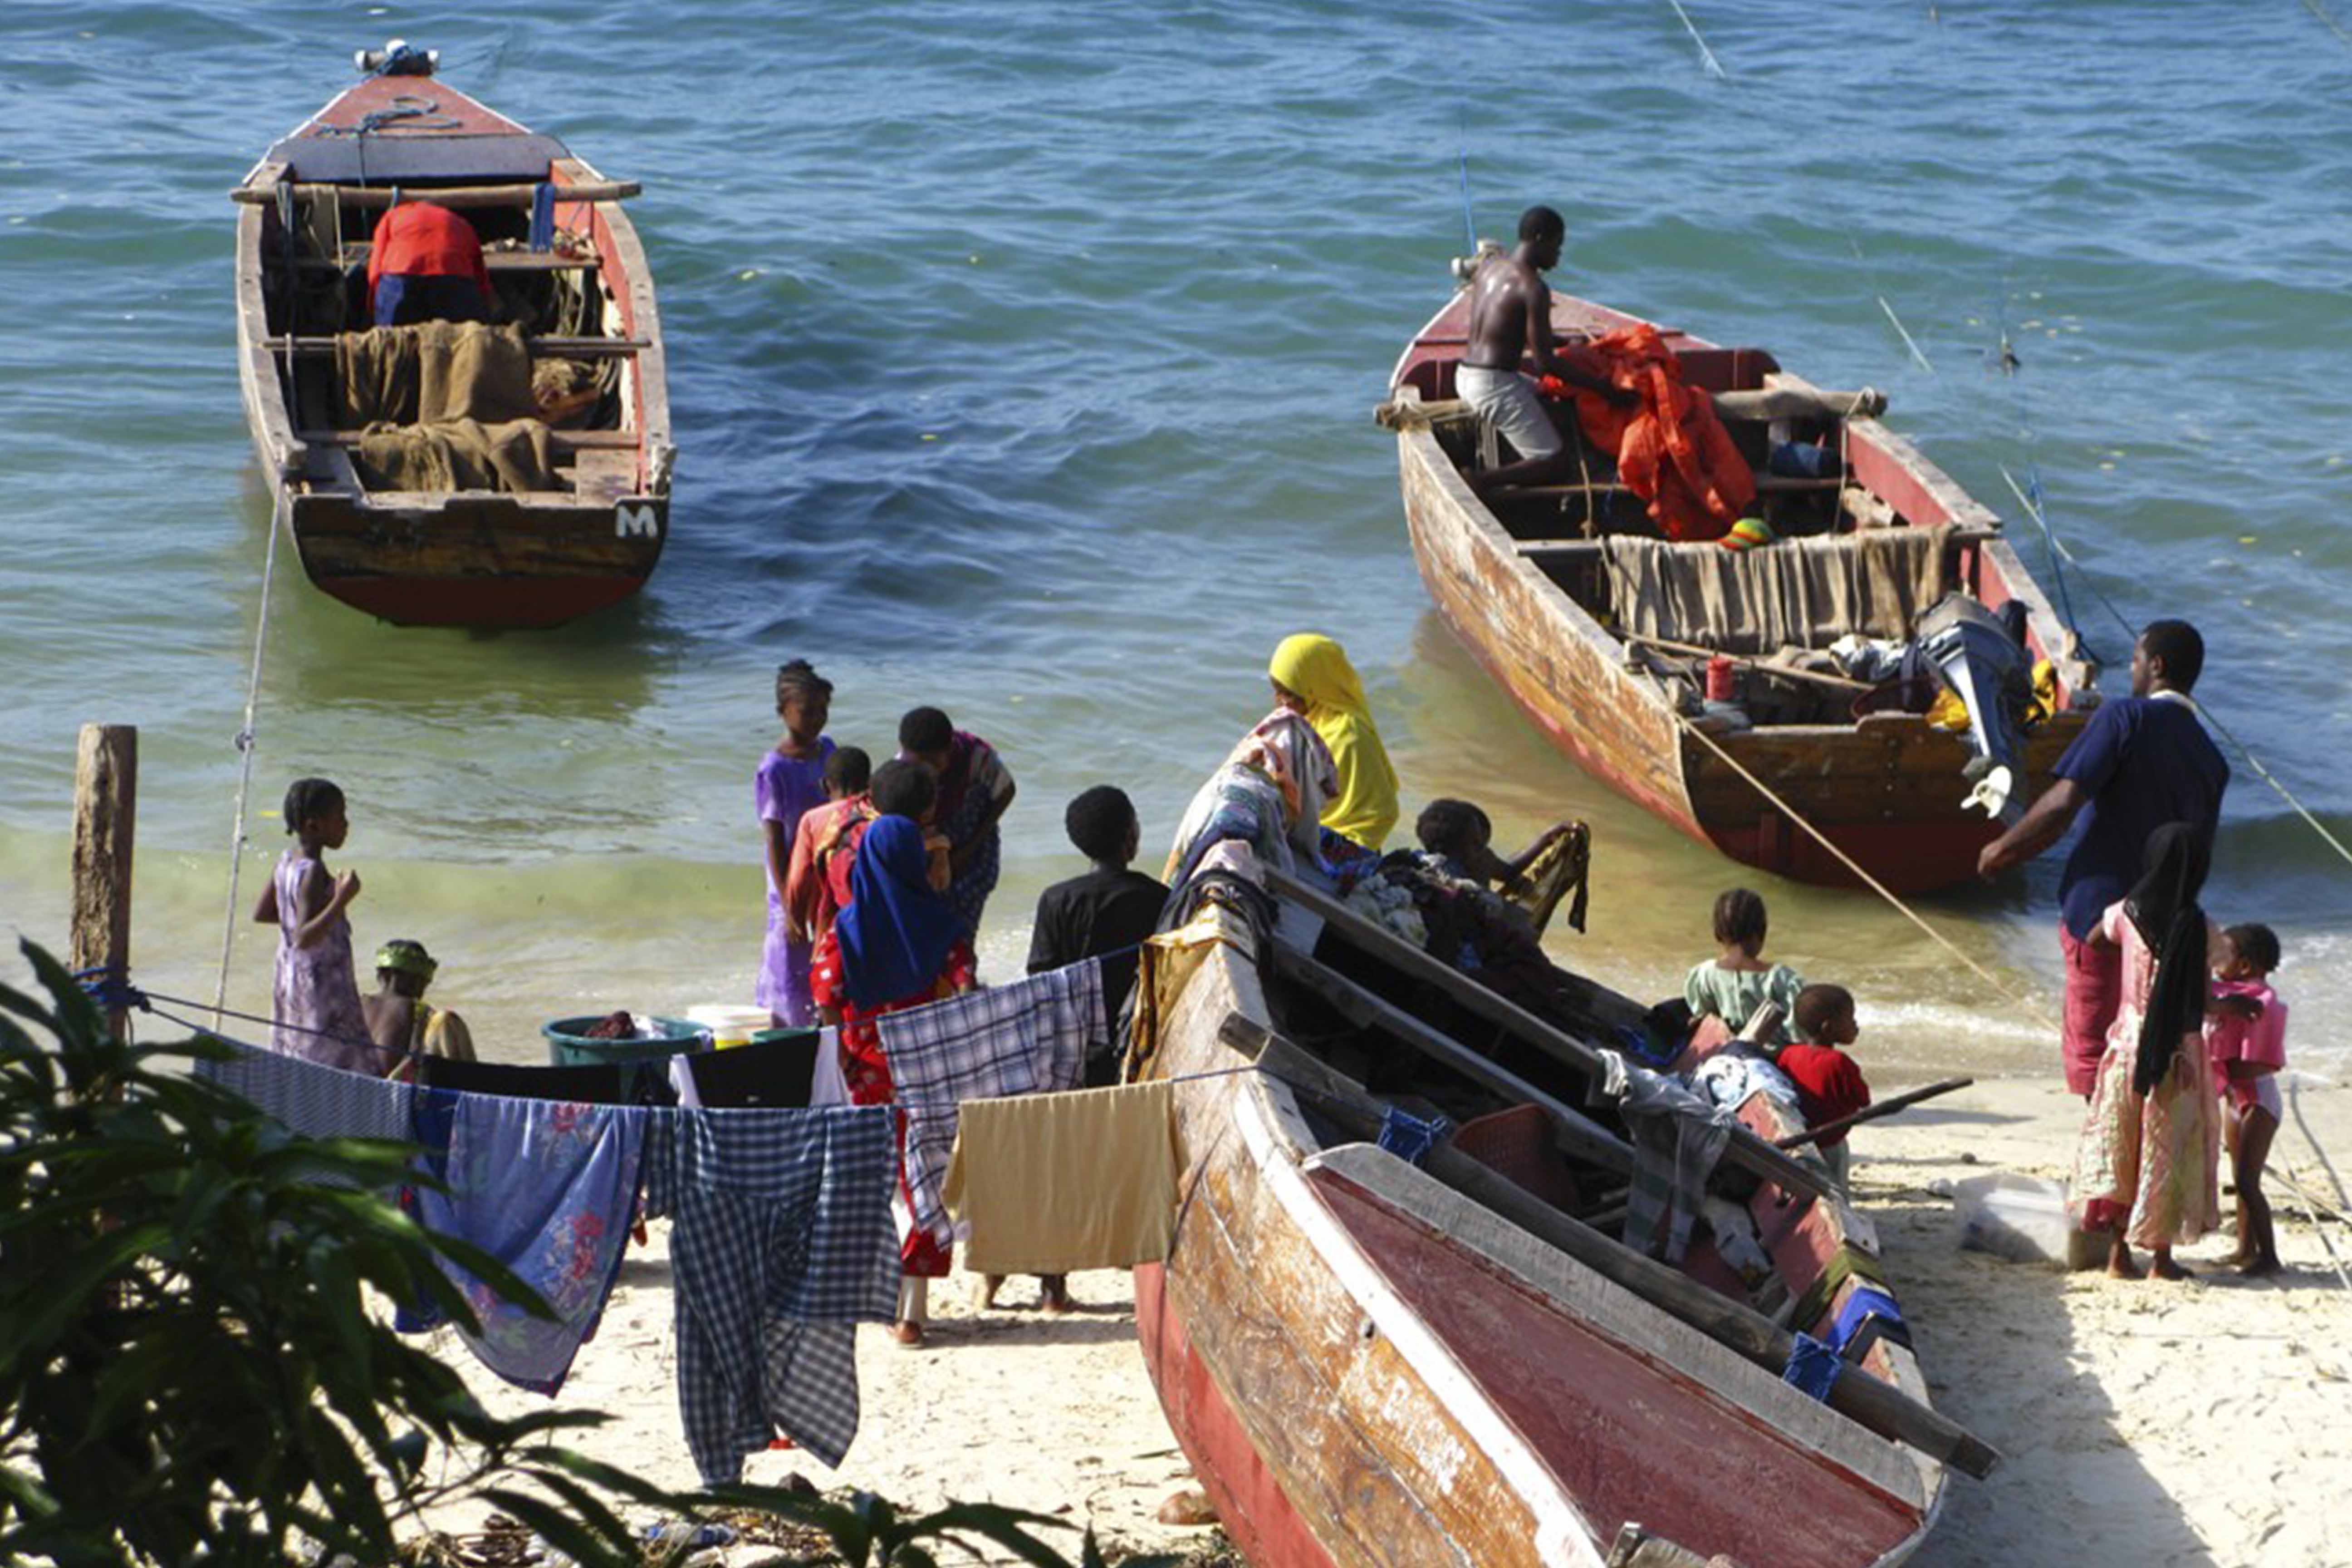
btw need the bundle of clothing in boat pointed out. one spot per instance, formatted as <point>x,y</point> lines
<point>1436,905</point>
<point>1678,1137</point>
<point>1799,593</point>
<point>1268,795</point>
<point>782,1238</point>
<point>443,405</point>
<point>1671,448</point>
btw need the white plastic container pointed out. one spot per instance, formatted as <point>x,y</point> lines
<point>2021,1219</point>
<point>730,1024</point>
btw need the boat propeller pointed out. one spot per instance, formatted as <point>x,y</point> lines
<point>1992,794</point>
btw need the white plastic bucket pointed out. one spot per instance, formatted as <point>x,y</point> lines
<point>730,1024</point>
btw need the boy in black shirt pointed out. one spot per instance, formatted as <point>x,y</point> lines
<point>1107,911</point>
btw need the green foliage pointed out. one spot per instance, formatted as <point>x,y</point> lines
<point>187,1363</point>
<point>867,1531</point>
<point>189,1368</point>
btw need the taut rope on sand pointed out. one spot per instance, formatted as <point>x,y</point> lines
<point>1873,883</point>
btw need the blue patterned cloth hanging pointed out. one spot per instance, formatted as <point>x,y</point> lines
<point>549,1189</point>
<point>783,1244</point>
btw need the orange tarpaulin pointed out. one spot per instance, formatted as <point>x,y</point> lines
<point>1672,450</point>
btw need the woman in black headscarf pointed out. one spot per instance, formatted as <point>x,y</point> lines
<point>2146,1165</point>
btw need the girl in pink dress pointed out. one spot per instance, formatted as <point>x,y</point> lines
<point>2146,1165</point>
<point>2246,1038</point>
<point>316,995</point>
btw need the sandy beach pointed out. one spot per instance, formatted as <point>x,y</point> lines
<point>2194,1422</point>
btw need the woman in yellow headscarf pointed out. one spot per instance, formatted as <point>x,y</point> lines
<point>1312,677</point>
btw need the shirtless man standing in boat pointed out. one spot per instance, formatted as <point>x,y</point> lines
<point>1510,315</point>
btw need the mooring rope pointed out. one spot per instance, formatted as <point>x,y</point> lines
<point>1706,56</point>
<point>245,744</point>
<point>1873,883</point>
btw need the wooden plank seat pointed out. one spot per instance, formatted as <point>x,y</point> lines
<point>1567,549</point>
<point>520,194</point>
<point>562,440</point>
<point>1766,484</point>
<point>496,260</point>
<point>604,474</point>
<point>541,348</point>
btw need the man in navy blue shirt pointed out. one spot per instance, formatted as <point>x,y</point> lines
<point>2138,763</point>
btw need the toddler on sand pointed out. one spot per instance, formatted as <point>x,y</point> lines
<point>1828,1083</point>
<point>2245,1032</point>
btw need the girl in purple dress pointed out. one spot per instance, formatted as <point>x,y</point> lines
<point>316,997</point>
<point>791,780</point>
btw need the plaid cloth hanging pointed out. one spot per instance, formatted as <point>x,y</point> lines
<point>313,1100</point>
<point>1026,1039</point>
<point>781,1243</point>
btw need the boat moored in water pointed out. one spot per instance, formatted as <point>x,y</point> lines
<point>546,507</point>
<point>1600,630</point>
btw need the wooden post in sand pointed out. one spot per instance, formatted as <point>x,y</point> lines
<point>106,813</point>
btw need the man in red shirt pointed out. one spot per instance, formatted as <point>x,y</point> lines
<point>425,264</point>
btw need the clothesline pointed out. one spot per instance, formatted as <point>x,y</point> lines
<point>111,989</point>
<point>145,1002</point>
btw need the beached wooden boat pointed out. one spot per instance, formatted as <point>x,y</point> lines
<point>1368,1361</point>
<point>580,287</point>
<point>1539,586</point>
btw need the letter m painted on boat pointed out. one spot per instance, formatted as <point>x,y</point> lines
<point>634,520</point>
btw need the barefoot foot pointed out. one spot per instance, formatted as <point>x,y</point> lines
<point>908,1332</point>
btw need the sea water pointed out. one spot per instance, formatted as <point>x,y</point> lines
<point>1023,360</point>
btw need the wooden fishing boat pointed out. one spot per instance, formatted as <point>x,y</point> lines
<point>566,264</point>
<point>1370,1361</point>
<point>1546,588</point>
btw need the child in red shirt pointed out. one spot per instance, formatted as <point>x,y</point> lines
<point>1829,1084</point>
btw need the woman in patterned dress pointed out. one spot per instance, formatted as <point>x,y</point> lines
<point>2146,1165</point>
<point>896,943</point>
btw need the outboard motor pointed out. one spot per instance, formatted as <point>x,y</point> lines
<point>1982,660</point>
<point>397,58</point>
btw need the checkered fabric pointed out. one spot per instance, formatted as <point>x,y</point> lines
<point>781,1243</point>
<point>312,1100</point>
<point>1026,1039</point>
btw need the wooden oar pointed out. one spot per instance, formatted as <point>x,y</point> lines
<point>1857,1395</point>
<point>1872,1112</point>
<point>1747,1151</point>
<point>1750,661</point>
